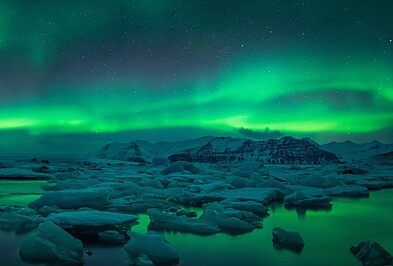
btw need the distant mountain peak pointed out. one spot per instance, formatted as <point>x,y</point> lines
<point>349,151</point>
<point>312,142</point>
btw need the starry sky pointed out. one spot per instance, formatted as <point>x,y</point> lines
<point>81,73</point>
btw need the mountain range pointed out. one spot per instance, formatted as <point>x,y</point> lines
<point>349,151</point>
<point>222,150</point>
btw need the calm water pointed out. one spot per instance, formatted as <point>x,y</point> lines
<point>328,236</point>
<point>21,193</point>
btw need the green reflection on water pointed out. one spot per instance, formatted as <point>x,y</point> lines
<point>20,193</point>
<point>328,235</point>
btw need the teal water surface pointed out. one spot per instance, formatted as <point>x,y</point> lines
<point>328,235</point>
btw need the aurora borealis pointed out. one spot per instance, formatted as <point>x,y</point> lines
<point>322,69</point>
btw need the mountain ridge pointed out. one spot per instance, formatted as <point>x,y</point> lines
<point>222,150</point>
<point>348,151</point>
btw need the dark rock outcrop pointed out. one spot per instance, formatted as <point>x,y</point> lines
<point>371,253</point>
<point>230,151</point>
<point>283,239</point>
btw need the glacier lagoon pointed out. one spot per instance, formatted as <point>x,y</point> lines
<point>328,234</point>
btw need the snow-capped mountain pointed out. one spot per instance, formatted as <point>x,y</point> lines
<point>287,150</point>
<point>348,151</point>
<point>144,151</point>
<point>380,159</point>
<point>223,150</point>
<point>132,152</point>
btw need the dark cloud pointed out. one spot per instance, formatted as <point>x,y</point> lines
<point>266,134</point>
<point>335,99</point>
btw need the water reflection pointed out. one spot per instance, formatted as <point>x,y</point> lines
<point>20,193</point>
<point>300,211</point>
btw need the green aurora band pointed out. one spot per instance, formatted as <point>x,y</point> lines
<point>300,89</point>
<point>239,97</point>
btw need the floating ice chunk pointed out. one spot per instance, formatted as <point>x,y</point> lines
<point>308,198</point>
<point>91,219</point>
<point>51,244</point>
<point>249,206</point>
<point>12,220</point>
<point>71,184</point>
<point>181,166</point>
<point>319,181</point>
<point>171,221</point>
<point>153,246</point>
<point>262,195</point>
<point>73,199</point>
<point>250,167</point>
<point>348,191</point>
<point>227,221</point>
<point>272,183</point>
<point>112,237</point>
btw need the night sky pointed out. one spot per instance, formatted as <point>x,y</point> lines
<point>81,73</point>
